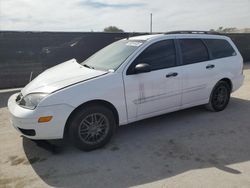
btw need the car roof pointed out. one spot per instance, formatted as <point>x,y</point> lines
<point>145,37</point>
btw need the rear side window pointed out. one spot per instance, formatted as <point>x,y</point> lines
<point>219,48</point>
<point>159,55</point>
<point>193,51</point>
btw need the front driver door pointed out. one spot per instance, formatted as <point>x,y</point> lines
<point>154,92</point>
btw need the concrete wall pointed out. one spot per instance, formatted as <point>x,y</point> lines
<point>23,53</point>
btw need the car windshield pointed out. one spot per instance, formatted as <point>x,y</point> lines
<point>113,55</point>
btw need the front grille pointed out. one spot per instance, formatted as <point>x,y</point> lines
<point>28,132</point>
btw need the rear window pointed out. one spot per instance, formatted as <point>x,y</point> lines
<point>219,48</point>
<point>193,51</point>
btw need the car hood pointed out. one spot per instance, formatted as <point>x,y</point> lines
<point>60,76</point>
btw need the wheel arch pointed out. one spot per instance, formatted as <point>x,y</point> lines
<point>228,81</point>
<point>92,102</point>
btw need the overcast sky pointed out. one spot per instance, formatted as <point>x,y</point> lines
<point>129,15</point>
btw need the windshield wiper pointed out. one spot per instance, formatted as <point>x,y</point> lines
<point>90,67</point>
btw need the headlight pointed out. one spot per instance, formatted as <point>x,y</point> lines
<point>32,100</point>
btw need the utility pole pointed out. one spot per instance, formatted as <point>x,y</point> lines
<point>151,22</point>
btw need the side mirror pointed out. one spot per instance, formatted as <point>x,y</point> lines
<point>142,67</point>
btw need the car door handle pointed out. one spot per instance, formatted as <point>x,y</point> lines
<point>172,74</point>
<point>210,66</point>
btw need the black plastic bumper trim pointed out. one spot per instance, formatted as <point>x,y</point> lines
<point>28,132</point>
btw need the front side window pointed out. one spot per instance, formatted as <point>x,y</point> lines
<point>219,48</point>
<point>193,51</point>
<point>159,55</point>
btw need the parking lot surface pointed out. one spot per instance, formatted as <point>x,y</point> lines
<point>189,148</point>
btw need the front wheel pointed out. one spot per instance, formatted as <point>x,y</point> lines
<point>220,97</point>
<point>92,127</point>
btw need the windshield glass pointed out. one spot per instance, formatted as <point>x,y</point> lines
<point>113,55</point>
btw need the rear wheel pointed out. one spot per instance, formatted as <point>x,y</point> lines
<point>220,97</point>
<point>92,127</point>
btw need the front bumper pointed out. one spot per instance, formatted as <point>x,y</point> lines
<point>26,120</point>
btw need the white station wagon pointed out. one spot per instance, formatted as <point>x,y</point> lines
<point>129,80</point>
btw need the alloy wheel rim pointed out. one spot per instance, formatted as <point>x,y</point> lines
<point>220,96</point>
<point>93,128</point>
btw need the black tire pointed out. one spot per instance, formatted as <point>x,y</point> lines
<point>219,97</point>
<point>85,134</point>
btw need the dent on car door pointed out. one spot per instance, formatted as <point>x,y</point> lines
<point>157,90</point>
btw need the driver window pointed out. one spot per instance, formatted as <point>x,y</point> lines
<point>159,55</point>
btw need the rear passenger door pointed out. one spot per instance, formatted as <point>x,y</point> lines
<point>197,71</point>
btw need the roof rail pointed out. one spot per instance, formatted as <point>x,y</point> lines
<point>194,32</point>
